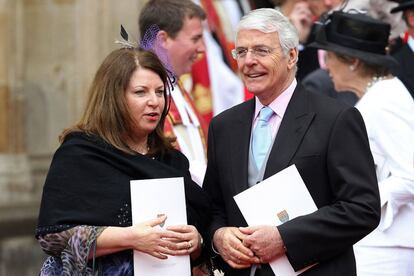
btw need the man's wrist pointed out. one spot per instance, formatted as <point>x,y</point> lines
<point>214,250</point>
<point>215,236</point>
<point>278,236</point>
<point>201,241</point>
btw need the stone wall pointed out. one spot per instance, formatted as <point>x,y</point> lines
<point>49,51</point>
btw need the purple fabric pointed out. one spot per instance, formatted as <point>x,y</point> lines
<point>150,42</point>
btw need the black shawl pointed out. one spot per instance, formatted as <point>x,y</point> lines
<point>89,184</point>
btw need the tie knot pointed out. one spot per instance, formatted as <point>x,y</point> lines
<point>265,114</point>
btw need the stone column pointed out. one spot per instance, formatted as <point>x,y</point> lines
<point>15,180</point>
<point>4,84</point>
<point>49,52</point>
<point>18,209</point>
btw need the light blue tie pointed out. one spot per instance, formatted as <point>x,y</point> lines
<point>262,136</point>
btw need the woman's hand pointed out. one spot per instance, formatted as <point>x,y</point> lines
<point>176,240</point>
<point>187,240</point>
<point>148,238</point>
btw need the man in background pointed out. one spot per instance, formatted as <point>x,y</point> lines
<point>405,56</point>
<point>181,36</point>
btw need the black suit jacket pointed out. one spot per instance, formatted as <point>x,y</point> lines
<point>328,143</point>
<point>405,69</point>
<point>319,82</point>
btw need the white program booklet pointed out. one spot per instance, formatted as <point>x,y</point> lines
<point>150,198</point>
<point>274,201</point>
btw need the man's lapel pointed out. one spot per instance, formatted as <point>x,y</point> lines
<point>295,123</point>
<point>240,141</point>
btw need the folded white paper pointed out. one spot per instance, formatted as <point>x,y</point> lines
<point>273,201</point>
<point>150,198</point>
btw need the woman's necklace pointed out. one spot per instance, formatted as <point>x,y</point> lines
<point>373,81</point>
<point>141,149</point>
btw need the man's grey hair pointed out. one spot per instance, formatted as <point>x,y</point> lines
<point>269,21</point>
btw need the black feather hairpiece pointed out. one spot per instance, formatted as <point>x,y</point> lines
<point>124,33</point>
<point>124,42</point>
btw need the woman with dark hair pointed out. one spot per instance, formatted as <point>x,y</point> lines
<point>85,215</point>
<point>357,61</point>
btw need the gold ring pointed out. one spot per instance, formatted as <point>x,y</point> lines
<point>190,244</point>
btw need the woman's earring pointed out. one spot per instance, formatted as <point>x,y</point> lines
<point>352,67</point>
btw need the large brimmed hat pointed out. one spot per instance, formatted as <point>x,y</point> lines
<point>403,5</point>
<point>355,35</point>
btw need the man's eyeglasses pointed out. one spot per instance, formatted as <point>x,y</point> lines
<point>257,52</point>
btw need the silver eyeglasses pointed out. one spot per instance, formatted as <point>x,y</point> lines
<point>257,52</point>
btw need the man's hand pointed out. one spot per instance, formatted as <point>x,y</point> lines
<point>301,18</point>
<point>264,241</point>
<point>229,243</point>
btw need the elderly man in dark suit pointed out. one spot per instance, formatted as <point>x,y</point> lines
<point>284,125</point>
<point>405,56</point>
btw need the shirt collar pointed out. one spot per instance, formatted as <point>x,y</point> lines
<point>279,104</point>
<point>410,42</point>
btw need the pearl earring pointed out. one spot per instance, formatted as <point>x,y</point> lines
<point>352,67</point>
